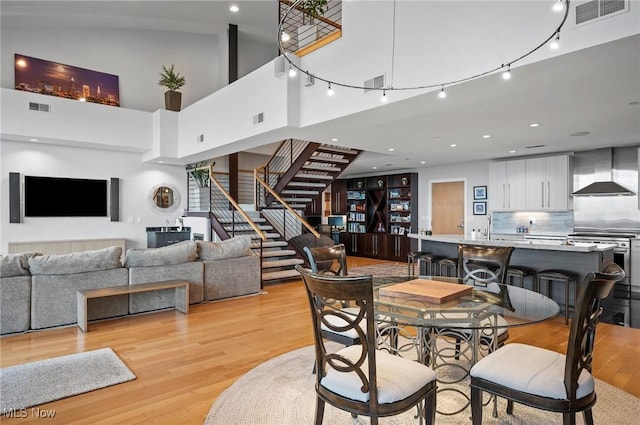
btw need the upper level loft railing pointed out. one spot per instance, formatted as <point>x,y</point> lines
<point>305,33</point>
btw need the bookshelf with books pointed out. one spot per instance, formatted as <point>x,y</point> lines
<point>381,212</point>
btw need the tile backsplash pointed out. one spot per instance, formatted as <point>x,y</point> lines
<point>549,223</point>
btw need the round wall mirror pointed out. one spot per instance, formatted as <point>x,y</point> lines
<point>164,198</point>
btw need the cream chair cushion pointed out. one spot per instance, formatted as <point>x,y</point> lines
<point>531,370</point>
<point>398,378</point>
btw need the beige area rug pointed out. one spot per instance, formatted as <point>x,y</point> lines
<point>40,382</point>
<point>281,392</point>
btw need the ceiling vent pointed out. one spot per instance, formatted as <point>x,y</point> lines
<point>599,9</point>
<point>42,107</point>
<point>374,84</point>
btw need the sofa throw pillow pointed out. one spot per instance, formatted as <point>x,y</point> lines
<point>238,246</point>
<point>76,262</point>
<point>15,264</point>
<point>181,252</point>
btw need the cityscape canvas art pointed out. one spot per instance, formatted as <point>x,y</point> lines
<point>56,79</point>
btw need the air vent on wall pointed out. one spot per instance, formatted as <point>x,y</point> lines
<point>374,83</point>
<point>42,107</point>
<point>257,119</point>
<point>598,9</point>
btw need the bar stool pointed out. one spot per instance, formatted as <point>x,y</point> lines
<point>519,274</point>
<point>428,264</point>
<point>565,277</point>
<point>412,258</point>
<point>448,267</point>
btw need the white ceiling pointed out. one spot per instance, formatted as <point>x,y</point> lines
<point>595,90</point>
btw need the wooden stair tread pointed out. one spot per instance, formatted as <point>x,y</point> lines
<point>278,253</point>
<point>281,274</point>
<point>281,263</point>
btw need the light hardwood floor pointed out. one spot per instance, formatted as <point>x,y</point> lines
<point>183,362</point>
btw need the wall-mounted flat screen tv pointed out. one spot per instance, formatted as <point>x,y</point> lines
<point>64,197</point>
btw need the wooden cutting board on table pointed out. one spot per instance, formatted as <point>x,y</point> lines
<point>432,291</point>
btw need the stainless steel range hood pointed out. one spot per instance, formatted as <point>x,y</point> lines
<point>605,186</point>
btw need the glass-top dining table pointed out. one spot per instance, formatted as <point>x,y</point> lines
<point>448,323</point>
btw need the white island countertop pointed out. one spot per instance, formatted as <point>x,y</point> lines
<point>539,244</point>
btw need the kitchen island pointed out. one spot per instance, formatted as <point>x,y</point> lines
<point>536,254</point>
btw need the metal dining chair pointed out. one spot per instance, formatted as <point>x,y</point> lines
<point>546,379</point>
<point>361,379</point>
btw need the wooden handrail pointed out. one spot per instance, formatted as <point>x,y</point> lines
<point>244,215</point>
<point>287,207</point>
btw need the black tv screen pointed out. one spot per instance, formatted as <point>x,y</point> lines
<point>64,197</point>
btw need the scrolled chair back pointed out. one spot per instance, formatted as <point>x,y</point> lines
<point>483,264</point>
<point>595,288</point>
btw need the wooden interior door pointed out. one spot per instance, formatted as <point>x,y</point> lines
<point>447,208</point>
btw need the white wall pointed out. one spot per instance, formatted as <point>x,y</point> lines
<point>474,173</point>
<point>136,182</point>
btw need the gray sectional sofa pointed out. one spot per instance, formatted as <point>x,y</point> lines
<point>39,291</point>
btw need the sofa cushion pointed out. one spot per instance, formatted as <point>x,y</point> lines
<point>15,264</point>
<point>76,262</point>
<point>238,246</point>
<point>181,252</point>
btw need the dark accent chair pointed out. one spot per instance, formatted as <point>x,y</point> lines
<point>328,259</point>
<point>486,266</point>
<point>545,379</point>
<point>309,239</point>
<point>361,379</point>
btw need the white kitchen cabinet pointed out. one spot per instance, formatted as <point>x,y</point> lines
<point>507,185</point>
<point>547,182</point>
<point>529,184</point>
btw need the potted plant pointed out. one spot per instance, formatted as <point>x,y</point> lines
<point>173,81</point>
<point>200,172</point>
<point>311,9</point>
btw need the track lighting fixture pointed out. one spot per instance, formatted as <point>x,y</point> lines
<point>555,44</point>
<point>558,6</point>
<point>507,74</point>
<point>288,20</point>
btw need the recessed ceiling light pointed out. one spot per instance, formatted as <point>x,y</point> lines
<point>234,8</point>
<point>335,139</point>
<point>453,145</point>
<point>512,151</point>
<point>160,162</point>
<point>534,124</point>
<point>33,139</point>
<point>375,168</point>
<point>391,149</point>
<point>423,162</point>
<point>486,136</point>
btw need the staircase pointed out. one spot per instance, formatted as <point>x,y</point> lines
<point>278,260</point>
<point>301,180</point>
<point>297,175</point>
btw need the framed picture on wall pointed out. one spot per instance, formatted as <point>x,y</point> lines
<point>479,208</point>
<point>479,192</point>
